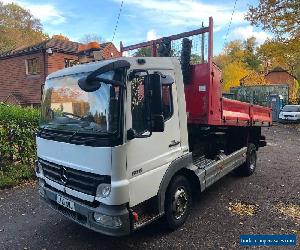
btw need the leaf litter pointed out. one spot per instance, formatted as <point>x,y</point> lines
<point>243,209</point>
<point>289,210</point>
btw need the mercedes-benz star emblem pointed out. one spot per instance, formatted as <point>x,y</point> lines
<point>64,177</point>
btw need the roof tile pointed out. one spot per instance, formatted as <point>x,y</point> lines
<point>55,44</point>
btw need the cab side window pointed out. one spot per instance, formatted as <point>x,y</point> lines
<point>138,109</point>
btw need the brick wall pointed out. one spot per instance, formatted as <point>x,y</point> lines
<point>27,88</point>
<point>110,51</point>
<point>57,61</point>
<point>14,80</point>
<point>18,87</point>
<point>281,78</point>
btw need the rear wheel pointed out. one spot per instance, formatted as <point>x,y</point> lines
<point>178,202</point>
<point>248,168</point>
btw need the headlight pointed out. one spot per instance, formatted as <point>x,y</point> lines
<point>103,190</point>
<point>108,221</point>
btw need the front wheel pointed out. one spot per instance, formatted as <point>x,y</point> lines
<point>249,166</point>
<point>178,202</point>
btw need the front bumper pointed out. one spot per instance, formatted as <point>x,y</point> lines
<point>83,213</point>
<point>289,120</point>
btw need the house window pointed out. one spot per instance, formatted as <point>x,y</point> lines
<point>70,62</point>
<point>32,66</point>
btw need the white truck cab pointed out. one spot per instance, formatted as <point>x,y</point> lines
<point>113,149</point>
<point>84,155</point>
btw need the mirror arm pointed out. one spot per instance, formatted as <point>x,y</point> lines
<point>143,136</point>
<point>108,67</point>
<point>112,82</point>
<point>131,134</point>
<point>132,73</point>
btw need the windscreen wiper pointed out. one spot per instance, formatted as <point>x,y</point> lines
<point>67,114</point>
<point>72,135</point>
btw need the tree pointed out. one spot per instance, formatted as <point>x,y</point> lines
<point>295,98</point>
<point>250,55</point>
<point>92,37</point>
<point>195,59</point>
<point>232,73</point>
<point>228,60</point>
<point>238,60</point>
<point>243,51</point>
<point>18,28</point>
<point>60,37</point>
<point>283,54</point>
<point>143,52</point>
<point>281,17</point>
<point>233,52</point>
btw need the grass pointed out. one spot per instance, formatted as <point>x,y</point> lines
<point>13,175</point>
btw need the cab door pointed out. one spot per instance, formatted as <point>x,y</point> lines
<point>148,158</point>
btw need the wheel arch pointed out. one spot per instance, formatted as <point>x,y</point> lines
<point>181,166</point>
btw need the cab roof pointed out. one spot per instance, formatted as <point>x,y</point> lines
<point>153,63</point>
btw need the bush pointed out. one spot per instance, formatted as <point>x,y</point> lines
<point>13,175</point>
<point>18,126</point>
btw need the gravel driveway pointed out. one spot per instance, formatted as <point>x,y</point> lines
<point>27,223</point>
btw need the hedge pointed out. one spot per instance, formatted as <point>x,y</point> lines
<point>18,126</point>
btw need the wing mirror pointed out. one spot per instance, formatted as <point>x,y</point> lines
<point>92,82</point>
<point>88,85</point>
<point>155,101</point>
<point>153,107</point>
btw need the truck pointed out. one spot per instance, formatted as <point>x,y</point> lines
<point>126,141</point>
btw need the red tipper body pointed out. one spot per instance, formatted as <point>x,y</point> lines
<point>206,106</point>
<point>204,102</point>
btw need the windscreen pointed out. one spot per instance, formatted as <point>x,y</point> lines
<point>66,107</point>
<point>291,108</point>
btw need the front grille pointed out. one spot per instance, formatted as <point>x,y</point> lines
<point>88,203</point>
<point>75,179</point>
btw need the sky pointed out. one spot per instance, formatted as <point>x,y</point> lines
<point>143,20</point>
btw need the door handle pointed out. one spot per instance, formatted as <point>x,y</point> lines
<point>174,143</point>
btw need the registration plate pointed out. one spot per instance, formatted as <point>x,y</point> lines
<point>65,203</point>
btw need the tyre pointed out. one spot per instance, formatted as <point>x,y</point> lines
<point>178,202</point>
<point>249,166</point>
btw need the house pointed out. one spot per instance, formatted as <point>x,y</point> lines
<point>280,76</point>
<point>94,51</point>
<point>277,76</point>
<point>24,70</point>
